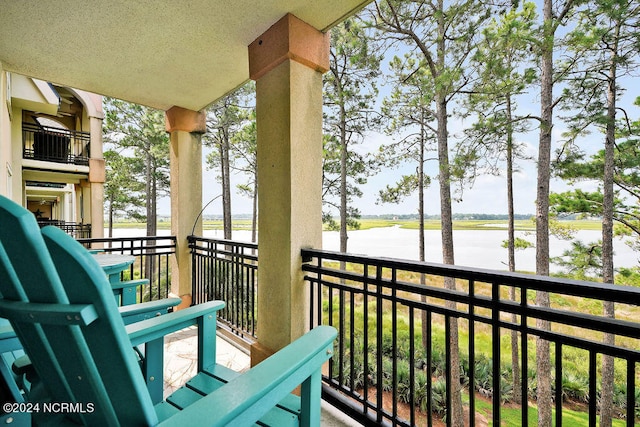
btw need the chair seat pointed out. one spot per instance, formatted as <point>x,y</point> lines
<point>286,413</point>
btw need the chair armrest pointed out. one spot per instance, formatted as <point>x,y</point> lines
<point>151,329</point>
<point>249,396</point>
<point>147,310</point>
<point>129,283</point>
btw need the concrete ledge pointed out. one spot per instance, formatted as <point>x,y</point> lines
<point>259,353</point>
<point>289,38</point>
<point>178,118</point>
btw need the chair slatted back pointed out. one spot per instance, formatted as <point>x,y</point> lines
<point>93,364</point>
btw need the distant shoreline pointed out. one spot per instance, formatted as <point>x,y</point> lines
<point>411,224</point>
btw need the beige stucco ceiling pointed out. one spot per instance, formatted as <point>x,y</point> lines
<point>157,53</point>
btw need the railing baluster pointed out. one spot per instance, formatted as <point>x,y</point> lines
<point>412,365</point>
<point>524,359</point>
<point>352,339</point>
<point>394,333</point>
<point>593,402</point>
<point>365,332</point>
<point>472,354</point>
<point>495,315</point>
<point>379,346</point>
<point>558,384</point>
<point>448,379</point>
<point>227,272</point>
<point>631,393</point>
<point>429,351</point>
<point>340,328</point>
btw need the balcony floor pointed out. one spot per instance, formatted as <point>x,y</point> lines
<point>181,364</point>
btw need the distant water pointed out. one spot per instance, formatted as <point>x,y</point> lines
<point>473,248</point>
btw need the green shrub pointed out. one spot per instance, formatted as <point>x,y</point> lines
<point>438,397</point>
<point>575,387</point>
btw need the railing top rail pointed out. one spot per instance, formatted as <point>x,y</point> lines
<point>40,128</point>
<point>248,245</point>
<point>126,239</point>
<point>604,291</point>
<point>159,244</point>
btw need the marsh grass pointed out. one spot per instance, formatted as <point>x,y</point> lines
<point>369,223</point>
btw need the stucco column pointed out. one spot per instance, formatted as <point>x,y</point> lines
<point>185,128</point>
<point>287,62</point>
<point>97,176</point>
<point>6,166</point>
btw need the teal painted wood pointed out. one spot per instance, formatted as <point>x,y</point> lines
<point>75,363</point>
<point>153,368</point>
<point>92,361</point>
<point>119,386</point>
<point>126,291</point>
<point>310,400</point>
<point>11,348</point>
<point>113,265</point>
<point>158,327</point>
<point>28,258</point>
<point>147,310</point>
<point>14,216</point>
<point>52,314</point>
<point>255,392</point>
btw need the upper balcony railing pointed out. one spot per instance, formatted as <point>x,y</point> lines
<point>75,230</point>
<point>55,144</point>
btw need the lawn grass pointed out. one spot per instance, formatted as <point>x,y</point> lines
<point>510,415</point>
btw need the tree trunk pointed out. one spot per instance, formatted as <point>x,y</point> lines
<point>543,357</point>
<point>152,215</point>
<point>515,358</point>
<point>421,246</point>
<point>148,173</point>
<point>226,184</point>
<point>254,213</point>
<point>110,221</point>
<point>455,406</point>
<point>152,223</point>
<point>606,397</point>
<point>421,243</point>
<point>343,180</point>
<point>448,258</point>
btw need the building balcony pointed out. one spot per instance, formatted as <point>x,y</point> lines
<point>55,145</point>
<point>75,230</point>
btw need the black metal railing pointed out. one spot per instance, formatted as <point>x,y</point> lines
<point>391,364</point>
<point>152,261</point>
<point>55,144</point>
<point>227,270</point>
<point>74,229</point>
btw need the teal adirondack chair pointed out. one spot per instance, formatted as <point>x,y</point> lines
<point>13,385</point>
<point>65,316</point>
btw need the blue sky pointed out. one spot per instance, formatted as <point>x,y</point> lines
<point>488,194</point>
